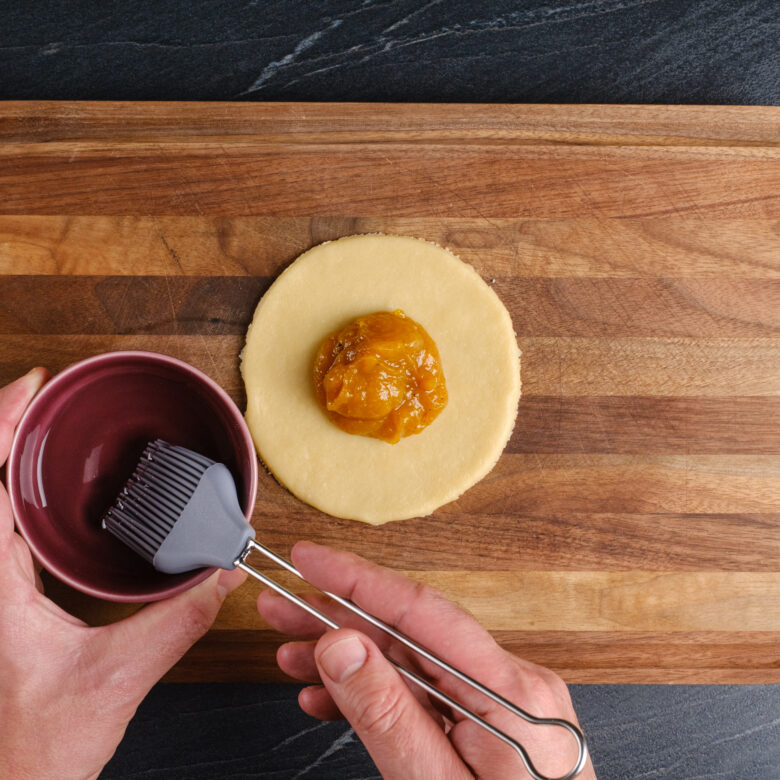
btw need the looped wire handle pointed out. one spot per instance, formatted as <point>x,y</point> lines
<point>582,748</point>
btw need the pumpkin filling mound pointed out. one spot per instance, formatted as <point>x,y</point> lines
<point>380,376</point>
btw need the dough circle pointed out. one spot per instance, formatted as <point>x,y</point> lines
<point>358,477</point>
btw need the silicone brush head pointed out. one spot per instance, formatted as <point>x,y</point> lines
<point>179,510</point>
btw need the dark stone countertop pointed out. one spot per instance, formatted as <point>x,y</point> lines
<point>611,51</point>
<point>681,732</point>
<point>594,51</point>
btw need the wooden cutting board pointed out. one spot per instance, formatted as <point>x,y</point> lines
<point>631,530</point>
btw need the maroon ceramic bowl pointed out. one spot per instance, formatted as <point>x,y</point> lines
<point>78,443</point>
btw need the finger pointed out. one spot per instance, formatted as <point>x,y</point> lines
<point>22,556</point>
<point>20,572</point>
<point>17,570</point>
<point>288,618</point>
<point>489,757</point>
<point>317,702</point>
<point>552,754</point>
<point>400,736</point>
<point>552,749</point>
<point>296,659</point>
<point>16,560</point>
<point>284,616</point>
<point>6,523</point>
<point>143,647</point>
<point>14,399</point>
<point>417,610</point>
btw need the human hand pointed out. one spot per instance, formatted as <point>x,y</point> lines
<point>408,735</point>
<point>67,691</point>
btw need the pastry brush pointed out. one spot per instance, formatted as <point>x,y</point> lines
<point>180,511</point>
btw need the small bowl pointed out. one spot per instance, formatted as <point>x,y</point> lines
<point>78,443</point>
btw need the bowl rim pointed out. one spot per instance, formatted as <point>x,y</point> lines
<point>51,386</point>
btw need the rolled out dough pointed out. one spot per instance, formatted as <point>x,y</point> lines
<point>362,478</point>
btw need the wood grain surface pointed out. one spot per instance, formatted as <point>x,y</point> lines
<point>631,530</point>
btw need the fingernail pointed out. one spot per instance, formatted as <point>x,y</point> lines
<point>34,377</point>
<point>342,659</point>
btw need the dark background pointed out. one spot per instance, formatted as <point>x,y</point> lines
<point>610,51</point>
<point>597,51</point>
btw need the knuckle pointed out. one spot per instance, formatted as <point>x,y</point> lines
<point>380,712</point>
<point>538,686</point>
<point>123,683</point>
<point>548,691</point>
<point>197,619</point>
<point>423,593</point>
<point>433,601</point>
<point>557,685</point>
<point>427,594</point>
<point>552,682</point>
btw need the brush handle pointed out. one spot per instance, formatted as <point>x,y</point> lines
<point>582,757</point>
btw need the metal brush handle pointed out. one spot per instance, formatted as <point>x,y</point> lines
<point>426,686</point>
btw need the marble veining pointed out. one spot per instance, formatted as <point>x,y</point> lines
<point>617,51</point>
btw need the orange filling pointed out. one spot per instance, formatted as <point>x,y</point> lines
<point>380,376</point>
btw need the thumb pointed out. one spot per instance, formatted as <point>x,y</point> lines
<point>143,647</point>
<point>404,741</point>
<point>14,399</point>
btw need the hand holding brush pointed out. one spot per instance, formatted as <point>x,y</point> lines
<point>180,511</point>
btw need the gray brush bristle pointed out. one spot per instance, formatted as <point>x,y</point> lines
<point>155,496</point>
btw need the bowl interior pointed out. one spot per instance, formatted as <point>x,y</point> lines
<point>79,443</point>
